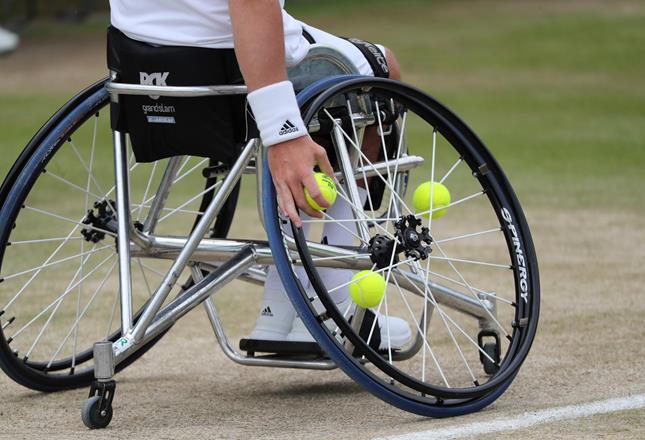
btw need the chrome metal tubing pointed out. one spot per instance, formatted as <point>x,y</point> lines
<point>220,250</point>
<point>251,361</point>
<point>193,241</point>
<point>212,250</point>
<point>192,297</point>
<point>254,275</point>
<point>103,360</point>
<point>405,163</point>
<point>116,89</point>
<point>350,182</point>
<point>123,220</point>
<point>150,223</point>
<point>361,120</point>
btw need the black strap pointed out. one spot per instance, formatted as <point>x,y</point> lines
<point>308,36</point>
<point>374,56</point>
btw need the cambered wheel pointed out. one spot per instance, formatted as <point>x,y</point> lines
<point>58,262</point>
<point>475,263</point>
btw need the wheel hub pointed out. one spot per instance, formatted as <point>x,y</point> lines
<point>416,243</point>
<point>413,242</point>
<point>101,219</point>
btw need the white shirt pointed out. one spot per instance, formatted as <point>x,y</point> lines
<point>197,23</point>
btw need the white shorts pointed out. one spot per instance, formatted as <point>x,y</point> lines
<point>348,49</point>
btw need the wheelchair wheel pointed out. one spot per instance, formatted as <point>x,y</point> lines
<point>58,269</point>
<point>465,278</point>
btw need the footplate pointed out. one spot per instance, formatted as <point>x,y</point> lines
<point>287,348</point>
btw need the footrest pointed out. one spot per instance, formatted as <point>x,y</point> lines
<point>252,346</point>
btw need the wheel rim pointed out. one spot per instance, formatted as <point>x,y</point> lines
<point>447,132</point>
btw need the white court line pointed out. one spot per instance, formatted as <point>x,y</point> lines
<point>527,419</point>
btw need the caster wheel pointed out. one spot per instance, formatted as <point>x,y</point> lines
<point>93,416</point>
<point>492,350</point>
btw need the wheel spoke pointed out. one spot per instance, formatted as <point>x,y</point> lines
<point>145,193</point>
<point>33,277</point>
<point>480,263</point>
<point>340,286</point>
<point>500,326</point>
<point>424,337</point>
<point>426,290</point>
<point>189,201</point>
<point>340,257</point>
<point>456,202</point>
<point>54,263</point>
<point>70,184</point>
<point>44,240</point>
<point>75,325</point>
<point>145,278</point>
<point>479,291</point>
<point>59,299</point>
<point>473,234</point>
<point>452,168</point>
<point>69,220</point>
<point>440,310</point>
<point>153,270</point>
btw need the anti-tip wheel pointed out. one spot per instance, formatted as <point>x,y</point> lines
<point>92,415</point>
<point>492,350</point>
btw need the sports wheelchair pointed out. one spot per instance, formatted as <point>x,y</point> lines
<point>98,263</point>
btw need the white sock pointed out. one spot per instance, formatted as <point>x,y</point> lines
<point>277,312</point>
<point>340,234</point>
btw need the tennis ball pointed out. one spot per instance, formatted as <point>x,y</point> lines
<point>328,189</point>
<point>367,288</point>
<point>440,199</point>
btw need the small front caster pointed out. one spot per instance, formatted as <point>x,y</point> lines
<point>97,409</point>
<point>93,416</point>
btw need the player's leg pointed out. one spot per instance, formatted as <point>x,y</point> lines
<point>272,322</point>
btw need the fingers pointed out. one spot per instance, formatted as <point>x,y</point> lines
<point>291,166</point>
<point>286,203</point>
<point>324,164</point>
<point>308,181</point>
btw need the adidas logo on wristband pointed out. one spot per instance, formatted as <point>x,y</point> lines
<point>287,128</point>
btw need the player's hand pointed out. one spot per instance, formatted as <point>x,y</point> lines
<point>292,163</point>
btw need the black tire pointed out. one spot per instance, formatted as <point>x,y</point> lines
<point>55,138</point>
<point>92,415</point>
<point>382,376</point>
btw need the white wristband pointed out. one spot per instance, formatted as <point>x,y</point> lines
<point>276,113</point>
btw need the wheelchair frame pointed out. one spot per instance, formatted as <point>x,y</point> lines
<point>229,258</point>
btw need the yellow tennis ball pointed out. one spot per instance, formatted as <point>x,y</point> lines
<point>367,288</point>
<point>327,188</point>
<point>440,199</point>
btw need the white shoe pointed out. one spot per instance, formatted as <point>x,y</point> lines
<point>274,322</point>
<point>8,41</point>
<point>397,329</point>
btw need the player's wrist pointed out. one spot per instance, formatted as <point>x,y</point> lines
<point>277,114</point>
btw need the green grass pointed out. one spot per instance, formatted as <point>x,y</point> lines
<point>556,90</point>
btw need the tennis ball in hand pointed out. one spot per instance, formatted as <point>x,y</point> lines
<point>327,188</point>
<point>367,288</point>
<point>440,199</point>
